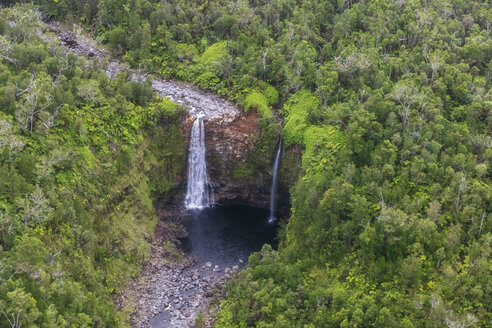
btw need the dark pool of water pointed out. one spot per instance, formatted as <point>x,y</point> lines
<point>223,236</point>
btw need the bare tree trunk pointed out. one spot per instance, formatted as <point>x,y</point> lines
<point>473,225</point>
<point>481,223</point>
<point>15,322</point>
<point>264,52</point>
<point>439,259</point>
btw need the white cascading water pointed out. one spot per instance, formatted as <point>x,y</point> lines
<point>197,193</point>
<point>273,192</point>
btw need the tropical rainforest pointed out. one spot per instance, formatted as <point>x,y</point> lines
<point>388,101</point>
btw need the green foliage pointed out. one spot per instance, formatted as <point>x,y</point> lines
<point>296,112</point>
<point>207,80</point>
<point>213,54</point>
<point>257,101</point>
<point>271,94</point>
<point>321,146</point>
<point>118,38</point>
<point>392,230</point>
<point>80,165</point>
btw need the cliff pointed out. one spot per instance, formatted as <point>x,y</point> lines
<point>237,173</point>
<point>230,157</point>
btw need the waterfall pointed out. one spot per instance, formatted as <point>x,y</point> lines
<point>273,192</point>
<point>198,189</point>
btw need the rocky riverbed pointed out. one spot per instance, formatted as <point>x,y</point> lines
<point>174,286</point>
<point>173,294</point>
<point>196,100</point>
<point>189,267</point>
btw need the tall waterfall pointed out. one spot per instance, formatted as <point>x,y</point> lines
<point>273,192</point>
<point>198,190</point>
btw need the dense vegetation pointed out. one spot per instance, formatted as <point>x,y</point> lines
<point>391,102</point>
<point>81,159</point>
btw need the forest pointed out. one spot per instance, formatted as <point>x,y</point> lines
<point>389,101</point>
<point>79,170</point>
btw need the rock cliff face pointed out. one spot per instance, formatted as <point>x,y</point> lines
<point>230,145</point>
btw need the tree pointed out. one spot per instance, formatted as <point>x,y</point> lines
<point>52,319</point>
<point>118,38</point>
<point>34,208</point>
<point>8,139</point>
<point>8,225</point>
<point>462,183</point>
<point>406,94</point>
<point>436,61</point>
<point>327,84</point>
<point>28,22</point>
<point>6,50</point>
<point>19,309</point>
<point>35,97</point>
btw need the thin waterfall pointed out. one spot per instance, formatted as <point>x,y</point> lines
<point>198,189</point>
<point>273,192</point>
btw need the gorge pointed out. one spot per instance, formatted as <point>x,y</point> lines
<point>132,193</point>
<point>218,240</point>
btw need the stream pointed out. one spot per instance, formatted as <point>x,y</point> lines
<point>219,240</point>
<point>196,100</point>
